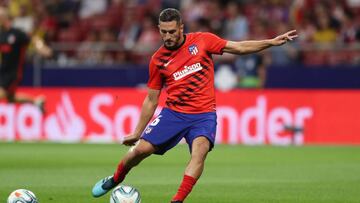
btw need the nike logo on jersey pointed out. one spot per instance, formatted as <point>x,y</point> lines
<point>167,63</point>
<point>187,70</point>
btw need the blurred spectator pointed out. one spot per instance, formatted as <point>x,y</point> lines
<point>215,15</point>
<point>88,52</point>
<point>199,25</point>
<point>286,54</point>
<point>16,7</point>
<point>66,12</point>
<point>70,21</point>
<point>90,8</point>
<point>130,29</point>
<point>306,30</point>
<point>193,10</point>
<point>46,24</point>
<point>106,39</point>
<point>325,33</point>
<point>24,20</point>
<point>236,24</point>
<point>251,70</point>
<point>149,39</point>
<point>350,30</point>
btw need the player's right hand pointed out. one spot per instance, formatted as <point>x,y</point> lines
<point>130,140</point>
<point>282,39</point>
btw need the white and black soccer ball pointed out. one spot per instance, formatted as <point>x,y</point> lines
<point>22,196</point>
<point>125,194</point>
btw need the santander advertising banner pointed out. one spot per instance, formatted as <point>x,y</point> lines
<point>251,117</point>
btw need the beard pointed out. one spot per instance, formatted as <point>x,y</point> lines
<point>173,44</point>
<point>170,44</point>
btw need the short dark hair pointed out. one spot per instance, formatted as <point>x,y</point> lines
<point>170,14</point>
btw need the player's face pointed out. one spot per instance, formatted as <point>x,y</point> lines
<point>171,33</point>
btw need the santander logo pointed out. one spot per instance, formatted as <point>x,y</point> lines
<point>187,71</point>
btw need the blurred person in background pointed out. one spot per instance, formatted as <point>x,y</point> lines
<point>350,31</point>
<point>199,25</point>
<point>236,24</point>
<point>251,68</point>
<point>284,55</point>
<point>149,39</point>
<point>107,38</point>
<point>130,29</point>
<point>13,45</point>
<point>88,52</point>
<point>16,7</point>
<point>184,66</point>
<point>25,20</point>
<point>325,32</point>
<point>90,8</point>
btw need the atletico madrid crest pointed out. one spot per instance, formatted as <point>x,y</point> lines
<point>193,49</point>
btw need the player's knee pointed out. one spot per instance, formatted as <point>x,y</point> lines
<point>201,145</point>
<point>198,157</point>
<point>140,152</point>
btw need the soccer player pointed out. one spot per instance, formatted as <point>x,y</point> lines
<point>13,44</point>
<point>184,66</point>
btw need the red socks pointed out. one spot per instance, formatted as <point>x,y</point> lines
<point>120,173</point>
<point>185,188</point>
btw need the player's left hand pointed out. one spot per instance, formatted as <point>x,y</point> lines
<point>41,48</point>
<point>130,140</point>
<point>282,39</point>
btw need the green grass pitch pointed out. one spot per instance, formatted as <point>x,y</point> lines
<point>65,173</point>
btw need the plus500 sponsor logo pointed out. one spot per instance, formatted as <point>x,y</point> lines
<point>255,124</point>
<point>187,71</point>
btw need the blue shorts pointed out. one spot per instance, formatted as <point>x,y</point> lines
<point>170,127</point>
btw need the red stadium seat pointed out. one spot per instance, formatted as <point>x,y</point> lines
<point>70,35</point>
<point>100,22</point>
<point>314,58</point>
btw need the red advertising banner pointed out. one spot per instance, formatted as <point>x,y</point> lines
<point>252,117</point>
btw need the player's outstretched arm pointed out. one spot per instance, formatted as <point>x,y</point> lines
<point>147,111</point>
<point>251,46</point>
<point>41,48</point>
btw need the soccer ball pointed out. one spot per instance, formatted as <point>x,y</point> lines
<point>125,194</point>
<point>22,196</point>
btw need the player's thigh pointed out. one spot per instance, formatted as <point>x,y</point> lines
<point>204,127</point>
<point>166,130</point>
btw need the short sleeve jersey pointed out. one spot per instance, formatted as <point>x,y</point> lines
<point>187,73</point>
